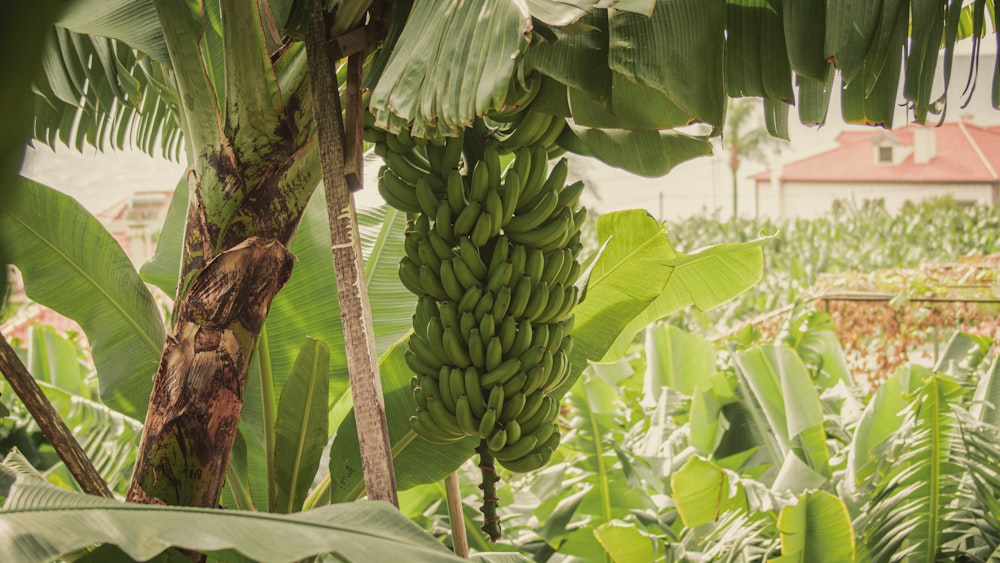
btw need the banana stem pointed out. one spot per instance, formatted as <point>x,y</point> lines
<point>491,521</point>
<point>459,541</point>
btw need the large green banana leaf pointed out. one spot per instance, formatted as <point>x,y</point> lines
<point>73,265</point>
<point>42,522</point>
<point>816,529</point>
<point>782,395</point>
<point>300,428</point>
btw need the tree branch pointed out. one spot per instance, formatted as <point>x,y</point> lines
<point>48,420</point>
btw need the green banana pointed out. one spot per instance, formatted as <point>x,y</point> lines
<point>463,414</point>
<point>514,384</point>
<point>495,401</point>
<point>553,265</point>
<point>494,357</point>
<point>570,195</point>
<point>480,183</point>
<point>491,157</point>
<point>484,306</point>
<point>557,294</point>
<point>554,183</point>
<point>487,423</point>
<point>499,277</point>
<point>422,349</point>
<point>456,381</point>
<point>426,199</point>
<point>451,159</point>
<point>530,129</point>
<point>467,219</point>
<point>442,417</point>
<point>513,432</point>
<point>449,281</point>
<point>443,222</point>
<point>532,402</point>
<point>498,440</point>
<point>482,230</point>
<point>525,333</point>
<point>477,354</point>
<point>495,209</point>
<point>440,246</point>
<point>512,407</point>
<point>416,365</point>
<point>501,251</point>
<point>530,462</point>
<point>432,284</point>
<point>500,374</point>
<point>536,304</point>
<point>536,379</point>
<point>470,255</point>
<point>507,333</point>
<point>397,193</point>
<point>519,297</point>
<point>487,326</point>
<point>533,182</point>
<point>409,274</point>
<point>475,394</point>
<point>517,451</point>
<point>449,314</point>
<point>455,192</point>
<point>445,395</point>
<point>545,413</point>
<point>427,429</point>
<point>464,274</point>
<point>549,235</point>
<point>501,303</point>
<point>467,323</point>
<point>426,254</point>
<point>433,335</point>
<point>549,136</point>
<point>510,195</point>
<point>455,349</point>
<point>471,298</point>
<point>525,221</point>
<point>419,397</point>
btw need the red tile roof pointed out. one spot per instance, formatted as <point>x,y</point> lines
<point>964,153</point>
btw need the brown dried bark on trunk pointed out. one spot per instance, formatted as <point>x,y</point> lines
<point>198,391</point>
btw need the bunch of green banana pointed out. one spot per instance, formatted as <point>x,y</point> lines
<point>492,256</point>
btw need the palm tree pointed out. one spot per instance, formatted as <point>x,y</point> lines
<point>745,139</point>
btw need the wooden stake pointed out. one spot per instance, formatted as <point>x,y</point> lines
<point>459,541</point>
<point>355,309</point>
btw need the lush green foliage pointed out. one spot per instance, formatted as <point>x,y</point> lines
<point>861,239</point>
<point>775,455</point>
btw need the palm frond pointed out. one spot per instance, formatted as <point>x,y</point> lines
<point>99,92</point>
<point>916,490</point>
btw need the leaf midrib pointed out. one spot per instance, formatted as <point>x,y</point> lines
<point>83,273</point>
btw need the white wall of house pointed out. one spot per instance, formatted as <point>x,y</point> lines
<point>814,199</point>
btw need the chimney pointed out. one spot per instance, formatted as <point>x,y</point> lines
<point>923,145</point>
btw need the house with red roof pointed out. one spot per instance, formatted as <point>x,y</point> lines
<point>957,159</point>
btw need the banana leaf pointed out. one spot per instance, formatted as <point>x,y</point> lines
<point>43,522</point>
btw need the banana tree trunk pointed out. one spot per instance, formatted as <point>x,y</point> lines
<point>253,169</point>
<point>197,396</point>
